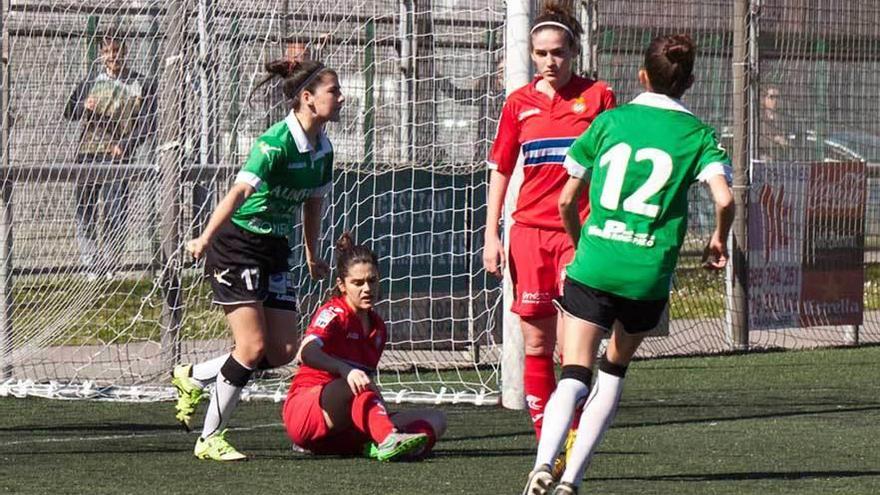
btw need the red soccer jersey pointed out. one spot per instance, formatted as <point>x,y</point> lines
<point>342,336</point>
<point>543,129</point>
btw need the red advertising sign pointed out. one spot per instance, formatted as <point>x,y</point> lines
<point>806,244</point>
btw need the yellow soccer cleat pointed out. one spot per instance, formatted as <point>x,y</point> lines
<point>217,448</point>
<point>188,394</point>
<point>560,462</point>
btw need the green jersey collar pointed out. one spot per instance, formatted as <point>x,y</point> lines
<point>302,141</point>
<point>660,101</point>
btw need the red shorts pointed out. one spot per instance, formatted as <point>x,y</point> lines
<point>537,260</point>
<point>304,421</point>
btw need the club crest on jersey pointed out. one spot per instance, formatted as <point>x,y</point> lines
<point>325,317</point>
<point>579,105</point>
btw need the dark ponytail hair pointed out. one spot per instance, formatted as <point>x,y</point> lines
<point>297,77</point>
<point>349,254</point>
<point>669,61</point>
<point>560,12</point>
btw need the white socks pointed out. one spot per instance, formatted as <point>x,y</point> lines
<point>233,376</point>
<point>206,372</point>
<point>595,420</point>
<point>557,417</point>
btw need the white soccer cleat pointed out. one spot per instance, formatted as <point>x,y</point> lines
<point>565,488</point>
<point>539,481</point>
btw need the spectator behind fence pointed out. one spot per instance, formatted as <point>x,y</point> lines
<point>117,108</point>
<point>775,143</point>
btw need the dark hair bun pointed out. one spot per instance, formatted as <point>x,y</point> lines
<point>679,49</point>
<point>280,67</point>
<point>559,7</point>
<point>345,242</point>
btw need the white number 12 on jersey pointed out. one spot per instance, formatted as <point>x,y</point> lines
<point>617,160</point>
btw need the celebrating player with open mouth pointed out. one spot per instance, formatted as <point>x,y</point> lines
<point>246,250</point>
<point>333,406</point>
<point>638,162</point>
<point>540,121</point>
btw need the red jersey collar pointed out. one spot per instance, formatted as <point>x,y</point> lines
<point>575,86</point>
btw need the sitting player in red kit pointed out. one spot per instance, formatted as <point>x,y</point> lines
<point>333,406</point>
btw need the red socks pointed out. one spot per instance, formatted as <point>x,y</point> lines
<point>539,381</point>
<point>369,416</point>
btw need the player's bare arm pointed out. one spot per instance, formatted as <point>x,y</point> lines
<point>227,206</point>
<point>311,209</point>
<point>568,207</point>
<point>312,355</point>
<point>493,250</point>
<point>715,255</point>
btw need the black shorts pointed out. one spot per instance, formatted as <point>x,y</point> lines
<point>244,267</point>
<point>602,308</point>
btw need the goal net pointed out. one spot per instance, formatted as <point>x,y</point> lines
<point>106,178</point>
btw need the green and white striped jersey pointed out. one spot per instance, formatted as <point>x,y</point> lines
<point>284,169</point>
<point>640,159</point>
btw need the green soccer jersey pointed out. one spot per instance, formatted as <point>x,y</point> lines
<point>640,160</point>
<point>284,169</point>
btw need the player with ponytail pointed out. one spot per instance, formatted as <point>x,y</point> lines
<point>245,246</point>
<point>637,162</point>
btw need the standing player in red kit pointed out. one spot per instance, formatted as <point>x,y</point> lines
<point>540,120</point>
<point>333,405</point>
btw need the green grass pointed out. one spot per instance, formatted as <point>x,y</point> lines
<point>778,423</point>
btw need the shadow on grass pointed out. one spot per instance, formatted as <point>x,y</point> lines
<point>835,410</point>
<point>787,476</point>
<point>518,453</point>
<point>491,436</point>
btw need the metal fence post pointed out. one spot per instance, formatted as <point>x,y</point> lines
<point>739,309</point>
<point>172,89</point>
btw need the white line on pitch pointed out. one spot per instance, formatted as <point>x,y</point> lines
<point>121,437</point>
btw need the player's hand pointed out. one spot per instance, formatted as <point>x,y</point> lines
<point>493,257</point>
<point>318,269</point>
<point>116,151</point>
<point>715,254</point>
<point>196,247</point>
<point>358,381</point>
<point>91,103</point>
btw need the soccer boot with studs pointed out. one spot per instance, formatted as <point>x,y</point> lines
<point>539,481</point>
<point>188,394</point>
<point>217,448</point>
<point>565,488</point>
<point>397,446</point>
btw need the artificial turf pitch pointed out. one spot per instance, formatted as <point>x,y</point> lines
<point>804,422</point>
